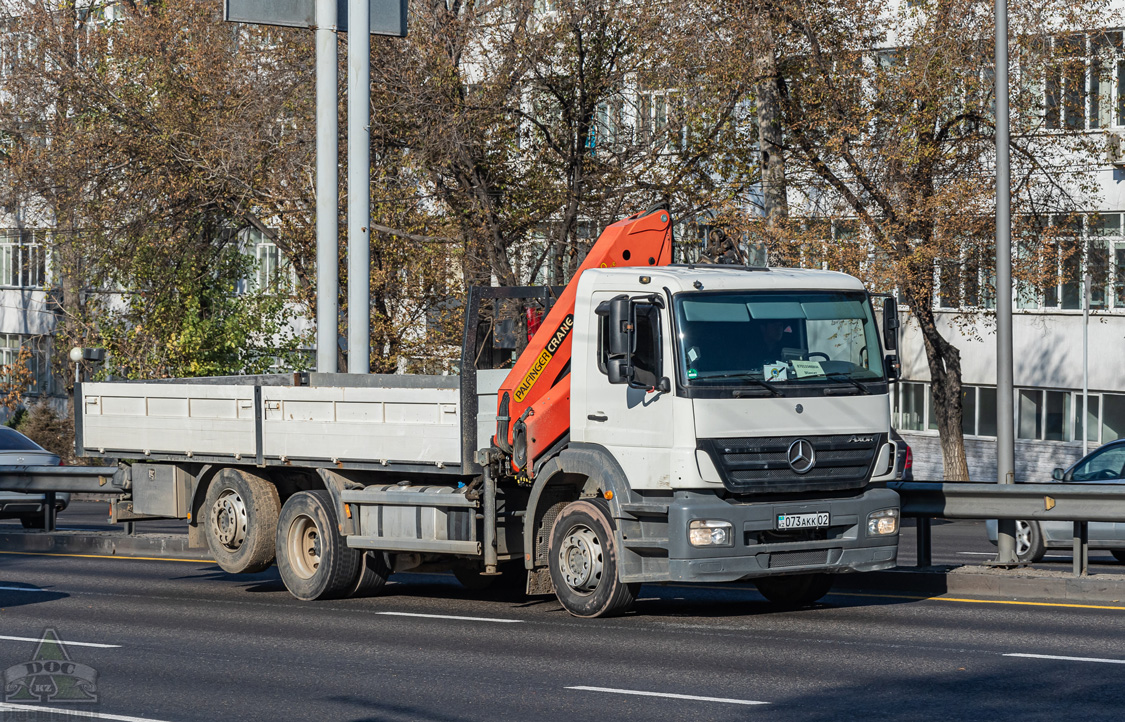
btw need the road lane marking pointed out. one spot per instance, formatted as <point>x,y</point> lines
<point>976,601</point>
<point>451,616</point>
<point>110,556</point>
<point>668,695</point>
<point>21,589</point>
<point>81,714</point>
<point>1066,659</point>
<point>66,642</point>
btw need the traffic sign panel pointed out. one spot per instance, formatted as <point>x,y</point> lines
<point>388,17</point>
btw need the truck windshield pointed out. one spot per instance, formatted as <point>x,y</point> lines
<point>785,339</point>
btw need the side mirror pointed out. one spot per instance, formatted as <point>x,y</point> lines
<point>891,367</point>
<point>622,339</point>
<point>1057,474</point>
<point>890,323</point>
<point>619,371</point>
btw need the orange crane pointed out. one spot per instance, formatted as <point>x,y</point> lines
<point>533,411</point>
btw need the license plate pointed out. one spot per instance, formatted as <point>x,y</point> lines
<point>816,520</point>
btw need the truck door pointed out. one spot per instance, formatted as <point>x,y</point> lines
<point>633,423</point>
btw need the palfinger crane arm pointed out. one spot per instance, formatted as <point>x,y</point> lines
<point>533,411</point>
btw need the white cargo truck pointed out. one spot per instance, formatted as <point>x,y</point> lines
<point>688,423</point>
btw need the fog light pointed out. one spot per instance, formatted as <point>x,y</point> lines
<point>882,522</point>
<point>710,533</point>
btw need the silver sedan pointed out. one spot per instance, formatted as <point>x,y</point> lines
<point>18,450</point>
<point>1104,465</point>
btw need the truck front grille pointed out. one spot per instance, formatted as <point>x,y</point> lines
<point>780,560</point>
<point>761,465</point>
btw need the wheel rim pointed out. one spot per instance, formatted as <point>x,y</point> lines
<point>304,546</point>
<point>580,559</point>
<point>228,519</point>
<point>1023,538</point>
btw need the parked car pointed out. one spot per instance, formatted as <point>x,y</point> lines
<point>18,450</point>
<point>904,458</point>
<point>1104,465</point>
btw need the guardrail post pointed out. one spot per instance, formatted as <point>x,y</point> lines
<point>925,540</point>
<point>49,511</point>
<point>1081,549</point>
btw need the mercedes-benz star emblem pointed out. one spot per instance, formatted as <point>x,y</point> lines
<point>801,456</point>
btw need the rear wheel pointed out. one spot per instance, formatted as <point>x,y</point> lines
<point>314,560</point>
<point>240,513</point>
<point>1118,554</point>
<point>1029,541</point>
<point>33,521</point>
<point>799,590</point>
<point>582,558</point>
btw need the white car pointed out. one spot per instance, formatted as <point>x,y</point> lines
<point>1104,465</point>
<point>18,450</point>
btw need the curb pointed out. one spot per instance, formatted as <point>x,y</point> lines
<point>1025,585</point>
<point>87,543</point>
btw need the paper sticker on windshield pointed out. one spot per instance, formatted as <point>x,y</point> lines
<point>804,369</point>
<point>775,372</point>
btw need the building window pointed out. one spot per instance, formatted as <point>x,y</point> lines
<point>910,406</point>
<point>23,258</point>
<point>38,363</point>
<point>271,270</point>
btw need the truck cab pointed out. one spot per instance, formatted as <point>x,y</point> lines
<point>746,413</point>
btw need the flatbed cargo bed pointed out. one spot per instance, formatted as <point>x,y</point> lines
<point>406,422</point>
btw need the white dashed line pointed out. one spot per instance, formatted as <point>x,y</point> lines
<point>63,641</point>
<point>77,714</point>
<point>668,695</point>
<point>450,616</point>
<point>21,589</point>
<point>1067,659</point>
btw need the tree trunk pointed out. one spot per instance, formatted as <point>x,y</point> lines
<point>945,375</point>
<point>774,192</point>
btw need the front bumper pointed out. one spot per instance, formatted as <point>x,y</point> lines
<point>758,550</point>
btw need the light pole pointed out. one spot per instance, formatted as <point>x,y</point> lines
<point>1005,396</point>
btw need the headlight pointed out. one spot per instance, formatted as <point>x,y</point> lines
<point>710,533</point>
<point>882,522</point>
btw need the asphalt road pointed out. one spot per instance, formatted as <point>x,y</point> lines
<point>185,641</point>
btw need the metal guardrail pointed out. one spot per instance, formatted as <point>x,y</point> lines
<point>73,479</point>
<point>1078,503</point>
<point>52,480</point>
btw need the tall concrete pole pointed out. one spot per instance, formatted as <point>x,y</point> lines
<point>1086,363</point>
<point>359,187</point>
<point>327,189</point>
<point>1005,396</point>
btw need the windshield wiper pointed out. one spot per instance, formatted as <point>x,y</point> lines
<point>849,380</point>
<point>746,377</point>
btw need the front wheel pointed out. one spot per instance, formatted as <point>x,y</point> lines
<point>314,560</point>
<point>799,590</point>
<point>582,558</point>
<point>1029,541</point>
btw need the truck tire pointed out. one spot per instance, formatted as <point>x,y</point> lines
<point>1118,554</point>
<point>799,590</point>
<point>240,517</point>
<point>582,558</point>
<point>1029,542</point>
<point>314,559</point>
<point>372,576</point>
<point>32,521</point>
